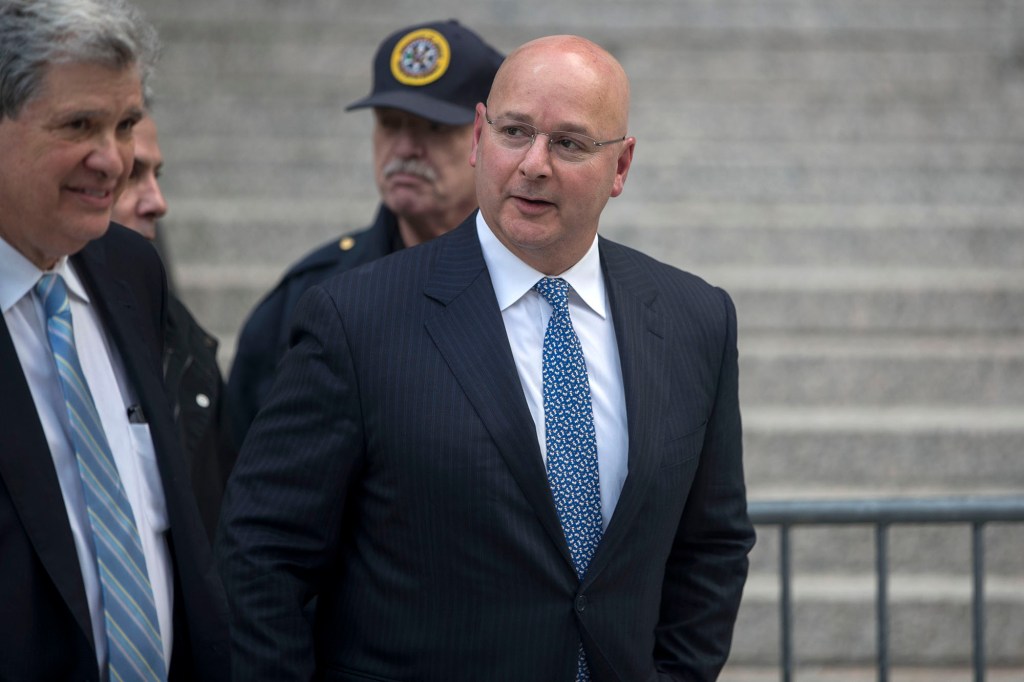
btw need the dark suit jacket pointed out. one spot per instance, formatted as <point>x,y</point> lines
<point>396,476</point>
<point>45,631</point>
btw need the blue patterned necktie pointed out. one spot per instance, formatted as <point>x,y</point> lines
<point>570,437</point>
<point>135,651</point>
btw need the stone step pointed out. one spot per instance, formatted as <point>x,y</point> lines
<point>682,147</point>
<point>876,300</point>
<point>313,104</point>
<point>844,246</point>
<point>864,371</point>
<point>820,114</point>
<point>824,185</point>
<point>230,151</point>
<point>701,234</point>
<point>883,449</point>
<point>807,60</point>
<point>768,300</point>
<point>834,621</point>
<point>747,183</point>
<point>716,61</point>
<point>940,17</point>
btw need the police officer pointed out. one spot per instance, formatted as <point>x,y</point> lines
<point>427,80</point>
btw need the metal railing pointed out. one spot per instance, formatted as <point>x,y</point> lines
<point>882,513</point>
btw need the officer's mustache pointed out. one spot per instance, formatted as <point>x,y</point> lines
<point>411,167</point>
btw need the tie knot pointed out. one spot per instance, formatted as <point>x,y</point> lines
<point>555,291</point>
<point>54,295</point>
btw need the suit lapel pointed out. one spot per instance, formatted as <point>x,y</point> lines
<point>470,334</point>
<point>116,304</point>
<point>26,468</point>
<point>139,350</point>
<point>639,331</point>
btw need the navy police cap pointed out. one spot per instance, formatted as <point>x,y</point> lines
<point>438,71</point>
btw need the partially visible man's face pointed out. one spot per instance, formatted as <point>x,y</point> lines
<point>422,168</point>
<point>65,159</point>
<point>142,203</point>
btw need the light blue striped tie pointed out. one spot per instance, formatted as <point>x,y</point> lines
<point>135,651</point>
<point>570,437</point>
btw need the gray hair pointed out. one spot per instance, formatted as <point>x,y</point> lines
<point>37,33</point>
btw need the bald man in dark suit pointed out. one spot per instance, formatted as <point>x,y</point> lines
<point>512,453</point>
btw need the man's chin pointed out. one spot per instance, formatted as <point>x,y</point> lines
<point>404,201</point>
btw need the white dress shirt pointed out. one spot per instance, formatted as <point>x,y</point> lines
<point>131,444</point>
<point>526,314</point>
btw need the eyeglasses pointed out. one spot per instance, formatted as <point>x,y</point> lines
<point>572,147</point>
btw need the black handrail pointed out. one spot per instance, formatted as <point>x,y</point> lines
<point>882,513</point>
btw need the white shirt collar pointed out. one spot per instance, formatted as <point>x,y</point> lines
<point>512,278</point>
<point>20,276</point>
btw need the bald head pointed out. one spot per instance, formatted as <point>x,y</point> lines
<point>551,147</point>
<point>581,67</point>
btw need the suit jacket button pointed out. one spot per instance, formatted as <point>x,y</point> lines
<point>581,603</point>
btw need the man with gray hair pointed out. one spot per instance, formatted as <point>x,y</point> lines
<point>106,571</point>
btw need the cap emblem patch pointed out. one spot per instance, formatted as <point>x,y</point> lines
<point>420,57</point>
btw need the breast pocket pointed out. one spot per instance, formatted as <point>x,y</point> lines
<point>685,446</point>
<point>149,477</point>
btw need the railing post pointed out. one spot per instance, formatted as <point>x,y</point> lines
<point>978,599</point>
<point>882,604</point>
<point>785,605</point>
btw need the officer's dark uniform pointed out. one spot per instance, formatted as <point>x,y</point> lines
<point>264,337</point>
<point>196,390</point>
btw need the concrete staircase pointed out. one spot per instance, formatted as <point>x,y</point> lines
<point>851,172</point>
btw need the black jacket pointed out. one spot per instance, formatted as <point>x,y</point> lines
<point>196,391</point>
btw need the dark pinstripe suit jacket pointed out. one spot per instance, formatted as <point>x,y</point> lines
<point>45,631</point>
<point>395,475</point>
